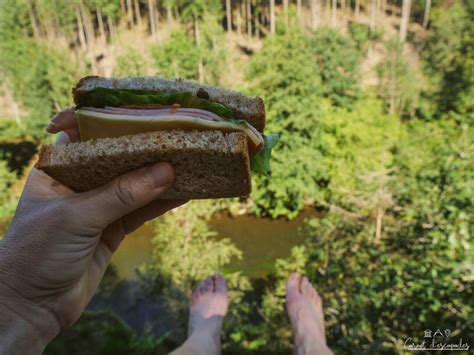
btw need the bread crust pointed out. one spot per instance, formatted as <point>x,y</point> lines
<point>209,164</point>
<point>251,109</point>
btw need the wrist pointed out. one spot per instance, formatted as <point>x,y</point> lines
<point>25,328</point>
<point>18,336</point>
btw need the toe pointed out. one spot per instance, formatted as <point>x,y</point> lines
<point>305,287</point>
<point>292,286</point>
<point>220,284</point>
<point>208,284</point>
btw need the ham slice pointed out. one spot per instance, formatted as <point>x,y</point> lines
<point>169,111</point>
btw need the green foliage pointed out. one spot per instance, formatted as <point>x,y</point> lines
<point>41,79</point>
<point>130,64</point>
<point>177,57</point>
<point>357,142</point>
<point>360,34</point>
<point>8,200</point>
<point>399,82</point>
<point>102,333</point>
<point>337,59</point>
<point>417,276</point>
<point>282,73</point>
<point>213,51</point>
<point>449,60</point>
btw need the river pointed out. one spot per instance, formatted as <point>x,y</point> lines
<point>261,241</point>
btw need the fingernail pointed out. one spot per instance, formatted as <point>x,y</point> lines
<point>51,128</point>
<point>161,174</point>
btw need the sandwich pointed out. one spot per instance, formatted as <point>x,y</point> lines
<point>212,136</point>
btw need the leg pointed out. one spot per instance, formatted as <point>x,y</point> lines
<point>208,307</point>
<point>305,310</point>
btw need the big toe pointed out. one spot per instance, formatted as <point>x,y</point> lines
<point>220,284</point>
<point>292,287</point>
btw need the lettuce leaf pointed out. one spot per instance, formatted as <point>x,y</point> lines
<point>260,163</point>
<point>101,97</point>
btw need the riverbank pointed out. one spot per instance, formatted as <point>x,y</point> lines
<point>261,240</point>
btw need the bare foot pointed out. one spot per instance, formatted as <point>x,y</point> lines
<point>209,304</point>
<point>305,310</point>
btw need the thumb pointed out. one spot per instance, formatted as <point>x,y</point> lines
<point>127,193</point>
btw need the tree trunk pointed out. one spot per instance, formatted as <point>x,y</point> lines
<point>228,10</point>
<point>373,15</point>
<point>333,14</point>
<point>343,7</point>
<point>314,14</point>
<point>272,16</point>
<point>129,13</point>
<point>285,11</point>
<point>357,7</point>
<point>298,12</point>
<point>101,23</point>
<point>197,36</point>
<point>80,28</point>
<point>34,24</point>
<point>239,20</point>
<point>138,14</point>
<point>169,15</point>
<point>405,19</point>
<point>176,14</point>
<point>110,24</point>
<point>90,36</point>
<point>426,16</point>
<point>378,225</point>
<point>249,19</point>
<point>151,16</point>
<point>257,25</point>
<point>123,9</point>
<point>156,15</point>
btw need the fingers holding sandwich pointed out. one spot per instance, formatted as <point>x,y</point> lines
<point>65,121</point>
<point>125,194</point>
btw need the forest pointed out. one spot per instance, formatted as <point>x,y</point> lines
<point>373,101</point>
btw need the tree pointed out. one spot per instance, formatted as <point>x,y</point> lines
<point>153,18</point>
<point>130,64</point>
<point>398,81</point>
<point>293,112</point>
<point>405,19</point>
<point>426,15</point>
<point>228,9</point>
<point>315,8</point>
<point>449,62</point>
<point>272,16</point>
<point>177,57</point>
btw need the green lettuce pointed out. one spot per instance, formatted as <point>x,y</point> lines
<point>260,163</point>
<point>101,97</point>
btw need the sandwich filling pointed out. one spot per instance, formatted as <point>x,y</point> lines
<point>108,113</point>
<point>112,122</point>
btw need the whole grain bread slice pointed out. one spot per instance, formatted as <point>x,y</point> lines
<point>210,164</point>
<point>251,109</point>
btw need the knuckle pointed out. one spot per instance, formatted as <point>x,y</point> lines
<point>124,192</point>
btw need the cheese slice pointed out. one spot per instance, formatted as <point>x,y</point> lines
<point>93,125</point>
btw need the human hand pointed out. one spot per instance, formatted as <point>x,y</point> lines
<point>59,244</point>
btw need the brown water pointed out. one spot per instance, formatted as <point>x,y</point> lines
<point>261,240</point>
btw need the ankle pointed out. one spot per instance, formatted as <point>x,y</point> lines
<point>207,341</point>
<point>310,345</point>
